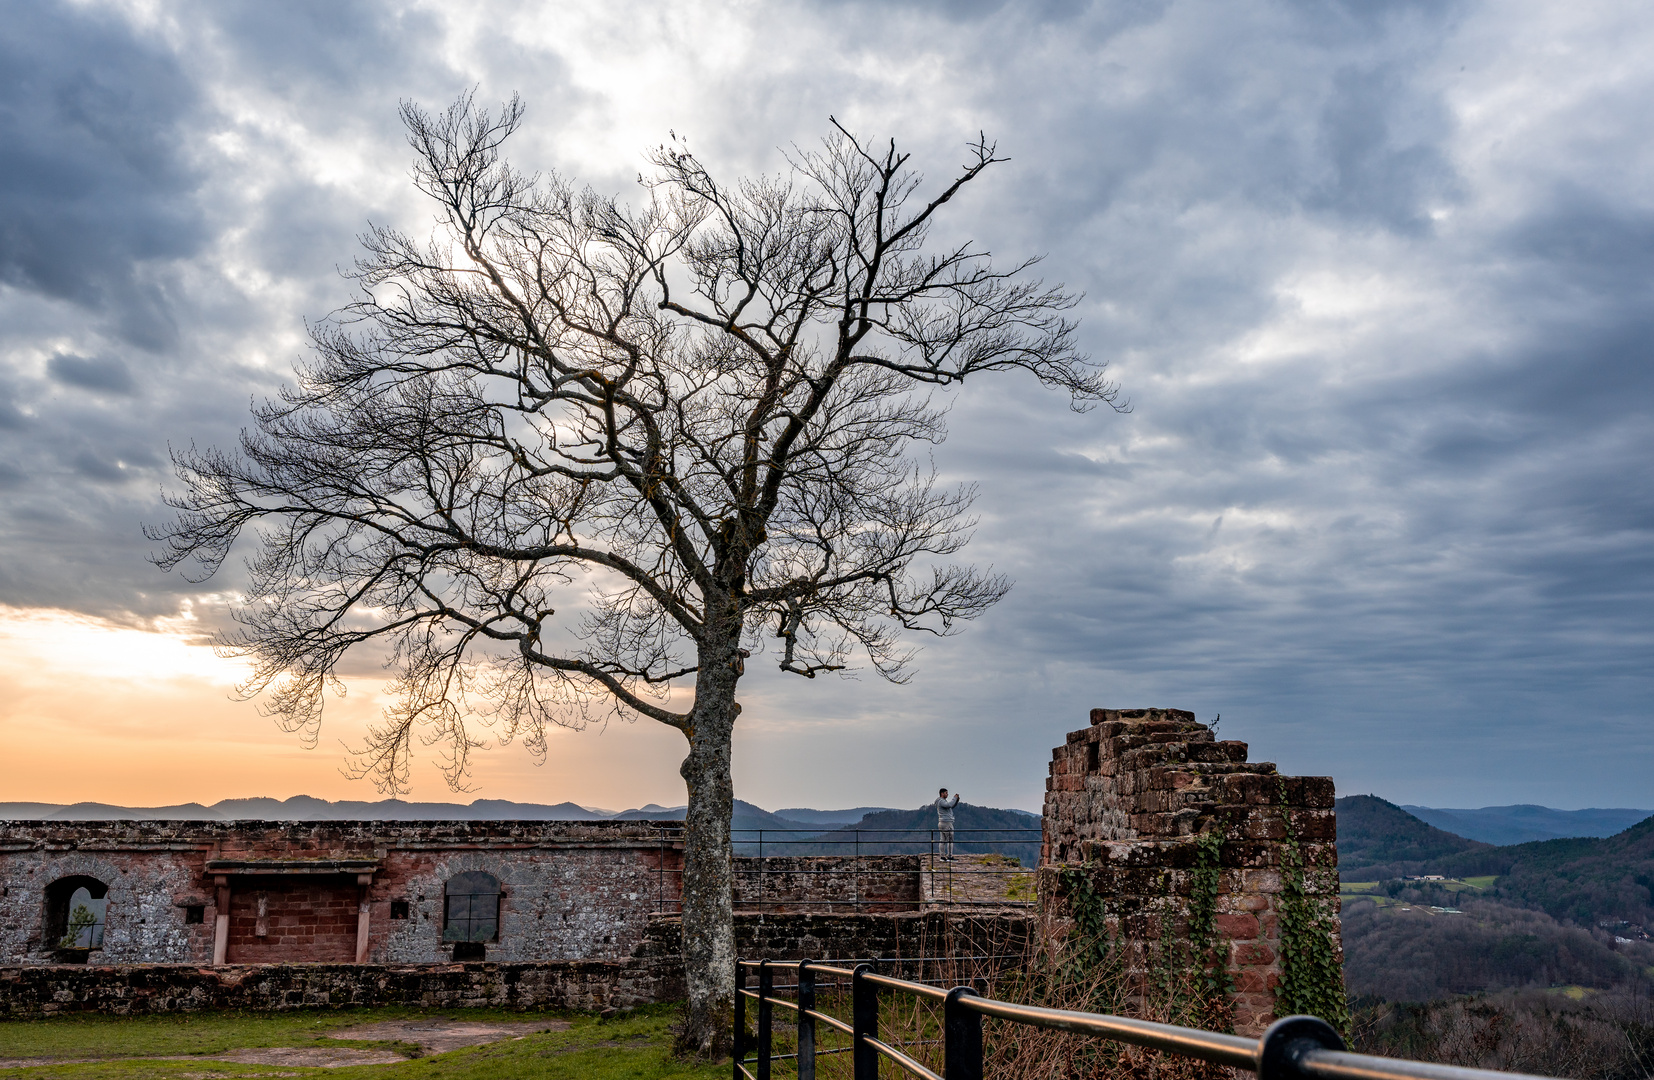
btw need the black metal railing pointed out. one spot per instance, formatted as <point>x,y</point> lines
<point>1293,1048</point>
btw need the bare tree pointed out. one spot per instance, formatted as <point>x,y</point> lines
<point>684,425</point>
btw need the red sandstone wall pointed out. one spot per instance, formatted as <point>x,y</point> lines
<point>1127,799</point>
<point>305,922</point>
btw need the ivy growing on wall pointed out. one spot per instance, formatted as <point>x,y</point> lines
<point>1312,979</point>
<point>1207,946</point>
<point>1186,980</point>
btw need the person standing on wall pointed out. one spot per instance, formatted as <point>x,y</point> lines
<point>944,820</point>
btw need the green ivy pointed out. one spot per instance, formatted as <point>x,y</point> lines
<point>1207,946</point>
<point>1312,979</point>
<point>1188,981</point>
<point>1094,946</point>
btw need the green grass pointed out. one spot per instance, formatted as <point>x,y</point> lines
<point>1357,886</point>
<point>633,1045</point>
<point>1481,882</point>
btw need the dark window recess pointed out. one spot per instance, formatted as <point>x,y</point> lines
<point>75,912</point>
<point>195,913</point>
<point>399,909</point>
<point>470,950</point>
<point>471,909</point>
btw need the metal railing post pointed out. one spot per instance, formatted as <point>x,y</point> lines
<point>738,1048</point>
<point>1287,1040</point>
<point>806,1022</point>
<point>962,1037</point>
<point>766,985</point>
<point>864,1024</point>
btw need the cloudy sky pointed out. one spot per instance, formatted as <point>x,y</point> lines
<point>1377,278</point>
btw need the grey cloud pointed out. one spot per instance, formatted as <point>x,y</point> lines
<point>98,176</point>
<point>1433,564</point>
<point>94,467</point>
<point>110,376</point>
<point>1374,176</point>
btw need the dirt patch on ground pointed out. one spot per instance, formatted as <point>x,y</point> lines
<point>315,1057</point>
<point>433,1035</point>
<point>436,1034</point>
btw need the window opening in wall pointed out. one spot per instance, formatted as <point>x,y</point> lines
<point>470,950</point>
<point>195,913</point>
<point>471,909</point>
<point>77,910</point>
<point>399,909</point>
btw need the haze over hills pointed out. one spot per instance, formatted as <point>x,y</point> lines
<point>1525,822</point>
<point>747,816</point>
<point>829,817</point>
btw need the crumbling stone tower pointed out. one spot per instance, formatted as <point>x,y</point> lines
<point>1181,839</point>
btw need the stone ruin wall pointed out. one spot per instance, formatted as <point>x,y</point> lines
<point>569,890</point>
<point>1125,802</point>
<point>653,972</point>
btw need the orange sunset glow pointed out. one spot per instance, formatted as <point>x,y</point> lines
<point>100,712</point>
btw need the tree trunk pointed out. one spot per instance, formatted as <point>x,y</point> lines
<point>708,910</point>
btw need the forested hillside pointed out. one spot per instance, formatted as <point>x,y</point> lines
<point>1528,916</point>
<point>1378,839</point>
<point>1586,880</point>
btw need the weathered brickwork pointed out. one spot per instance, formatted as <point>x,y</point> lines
<point>651,973</point>
<point>830,883</point>
<point>1126,804</point>
<point>568,890</point>
<point>130,989</point>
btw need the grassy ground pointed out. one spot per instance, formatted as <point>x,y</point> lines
<point>633,1045</point>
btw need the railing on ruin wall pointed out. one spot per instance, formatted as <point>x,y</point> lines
<point>1293,1048</point>
<point>870,870</point>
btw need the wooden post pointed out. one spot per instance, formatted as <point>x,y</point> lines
<point>221,924</point>
<point>363,881</point>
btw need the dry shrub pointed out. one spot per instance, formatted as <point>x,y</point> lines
<point>1606,1036</point>
<point>1164,986</point>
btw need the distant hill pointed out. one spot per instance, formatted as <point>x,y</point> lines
<point>1524,822</point>
<point>1587,881</point>
<point>1582,880</point>
<point>828,818</point>
<point>746,817</point>
<point>302,808</point>
<point>1378,840</point>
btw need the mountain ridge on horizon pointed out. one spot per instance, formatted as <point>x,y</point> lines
<point>310,808</point>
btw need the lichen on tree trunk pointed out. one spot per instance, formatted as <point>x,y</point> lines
<point>708,907</point>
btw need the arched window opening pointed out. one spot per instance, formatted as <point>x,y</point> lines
<point>471,913</point>
<point>77,910</point>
